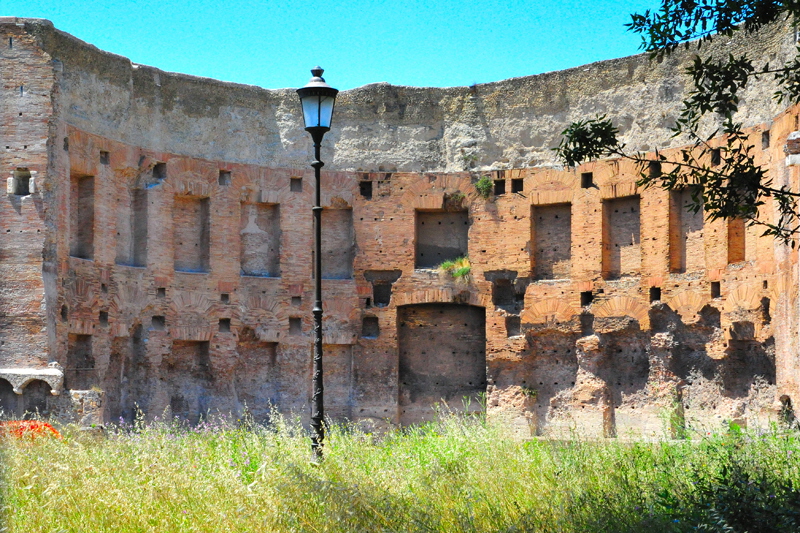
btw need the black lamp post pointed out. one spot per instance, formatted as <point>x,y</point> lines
<point>317,99</point>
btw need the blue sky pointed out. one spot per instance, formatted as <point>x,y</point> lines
<point>273,44</point>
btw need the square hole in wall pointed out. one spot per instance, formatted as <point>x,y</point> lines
<point>382,293</point>
<point>161,292</point>
<point>765,284</point>
<point>655,294</point>
<point>297,301</point>
<point>104,288</point>
<point>370,328</point>
<point>517,185</point>
<point>225,298</point>
<point>296,184</point>
<point>22,182</point>
<point>499,187</point>
<point>160,171</point>
<point>586,298</point>
<point>513,326</point>
<point>365,187</point>
<point>764,140</point>
<point>104,157</point>
<point>103,318</point>
<point>716,157</point>
<point>159,323</point>
<point>225,325</point>
<point>587,180</point>
<point>295,325</point>
<point>224,177</point>
<point>715,289</point>
<point>64,313</point>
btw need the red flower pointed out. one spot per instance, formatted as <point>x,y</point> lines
<point>27,429</point>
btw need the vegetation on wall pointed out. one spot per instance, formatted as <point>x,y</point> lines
<point>459,269</point>
<point>728,183</point>
<point>484,186</point>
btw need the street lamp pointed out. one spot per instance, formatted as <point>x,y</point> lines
<point>317,99</point>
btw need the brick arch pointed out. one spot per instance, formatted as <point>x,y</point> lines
<point>688,304</point>
<point>340,321</point>
<point>126,308</point>
<point>621,306</point>
<point>257,184</point>
<point>190,311</point>
<point>192,177</point>
<point>783,287</point>
<point>746,296</point>
<point>548,310</point>
<point>83,154</point>
<point>265,316</point>
<point>445,295</point>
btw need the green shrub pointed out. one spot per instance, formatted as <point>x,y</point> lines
<point>484,186</point>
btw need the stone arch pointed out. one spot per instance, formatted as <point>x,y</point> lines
<point>746,297</point>
<point>126,307</point>
<point>621,306</point>
<point>265,316</point>
<point>190,311</point>
<point>688,305</point>
<point>9,400</point>
<point>35,398</point>
<point>548,310</point>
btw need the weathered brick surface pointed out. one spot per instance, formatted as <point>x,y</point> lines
<point>175,273</point>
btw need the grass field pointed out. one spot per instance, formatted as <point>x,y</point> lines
<point>458,475</point>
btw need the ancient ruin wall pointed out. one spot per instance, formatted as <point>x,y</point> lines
<point>177,243</point>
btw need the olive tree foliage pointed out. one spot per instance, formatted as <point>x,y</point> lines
<point>726,182</point>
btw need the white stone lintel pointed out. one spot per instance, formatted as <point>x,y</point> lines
<point>53,375</point>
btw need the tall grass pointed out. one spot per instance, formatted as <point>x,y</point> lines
<point>459,474</point>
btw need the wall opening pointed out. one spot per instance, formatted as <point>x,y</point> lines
<point>191,233</point>
<point>499,187</point>
<point>716,157</point>
<point>517,185</point>
<point>160,171</point>
<point>158,323</point>
<point>655,294</point>
<point>21,184</point>
<point>715,289</point>
<point>9,400</point>
<point>338,242</point>
<point>132,229</point>
<point>737,238</point>
<point>337,371</point>
<point>382,281</point>
<point>764,140</point>
<point>441,236</point>
<point>105,157</point>
<point>586,298</point>
<point>370,327</point>
<point>256,374</point>
<point>587,180</point>
<point>224,325</point>
<point>442,359</point>
<point>513,326</point>
<point>187,375</point>
<point>622,254</point>
<point>365,188</point>
<point>224,178</point>
<point>80,373</point>
<point>296,184</point>
<point>686,245</point>
<point>35,397</point>
<point>551,227</point>
<point>81,217</point>
<point>295,325</point>
<point>260,235</point>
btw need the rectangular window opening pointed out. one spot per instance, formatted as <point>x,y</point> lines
<point>82,217</point>
<point>370,328</point>
<point>587,180</point>
<point>297,301</point>
<point>716,156</point>
<point>296,184</point>
<point>365,187</point>
<point>160,171</point>
<point>158,323</point>
<point>21,184</point>
<point>224,177</point>
<point>715,289</point>
<point>655,294</point>
<point>103,318</point>
<point>191,233</point>
<point>551,229</point>
<point>161,292</point>
<point>225,298</point>
<point>765,140</point>
<point>295,326</point>
<point>104,157</point>
<point>622,254</point>
<point>499,187</point>
<point>517,185</point>
<point>440,236</point>
<point>224,325</point>
<point>737,236</point>
<point>586,298</point>
<point>260,240</point>
<point>513,326</point>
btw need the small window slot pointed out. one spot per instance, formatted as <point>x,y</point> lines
<point>587,180</point>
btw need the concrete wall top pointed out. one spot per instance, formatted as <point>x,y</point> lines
<point>506,124</point>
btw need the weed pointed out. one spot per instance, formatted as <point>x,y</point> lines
<point>484,186</point>
<point>459,269</point>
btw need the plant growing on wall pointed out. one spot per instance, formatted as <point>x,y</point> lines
<point>484,186</point>
<point>725,177</point>
<point>458,268</point>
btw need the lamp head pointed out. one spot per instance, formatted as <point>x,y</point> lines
<point>318,99</point>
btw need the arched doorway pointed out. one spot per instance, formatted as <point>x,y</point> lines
<point>9,400</point>
<point>34,399</point>
<point>442,358</point>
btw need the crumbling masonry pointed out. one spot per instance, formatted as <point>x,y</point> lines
<point>155,250</point>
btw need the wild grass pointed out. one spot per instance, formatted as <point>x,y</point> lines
<point>458,268</point>
<point>459,475</point>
